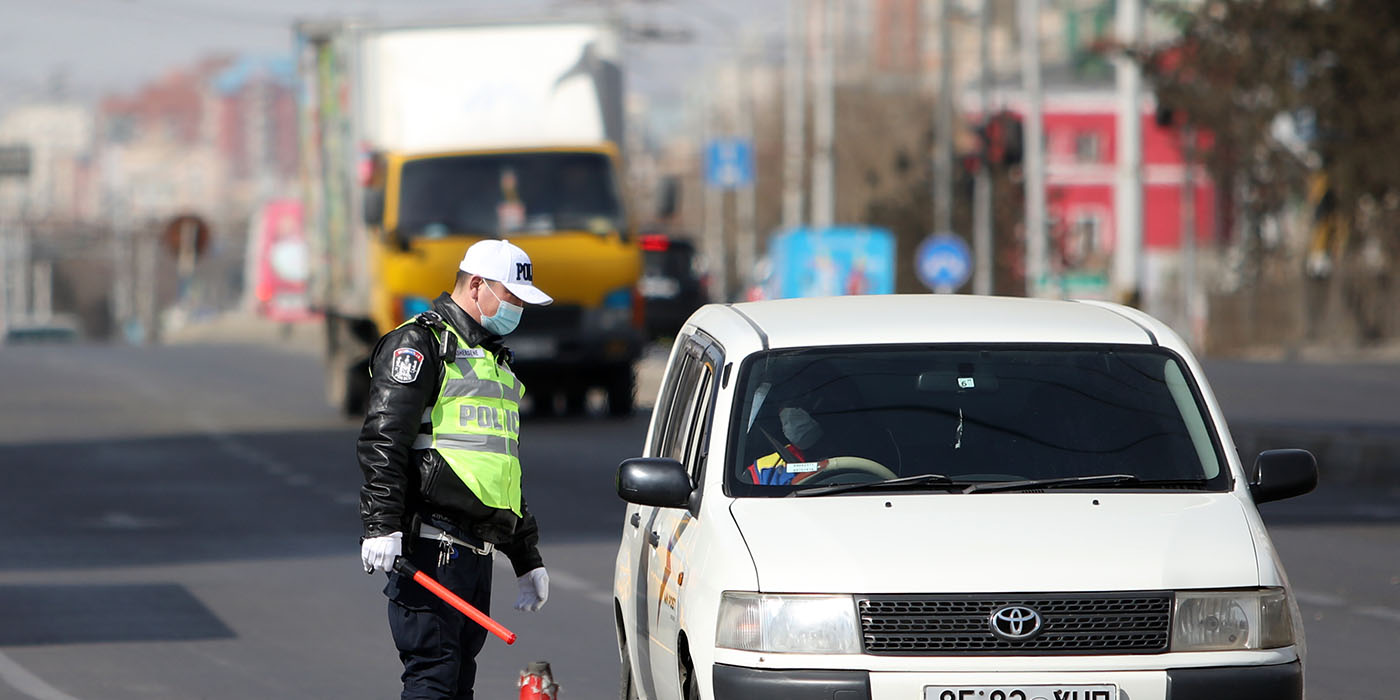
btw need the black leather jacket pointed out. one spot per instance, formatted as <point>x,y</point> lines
<point>402,485</point>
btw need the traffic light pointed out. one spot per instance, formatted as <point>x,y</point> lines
<point>1002,139</point>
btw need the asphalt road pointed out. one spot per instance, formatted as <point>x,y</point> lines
<point>180,522</point>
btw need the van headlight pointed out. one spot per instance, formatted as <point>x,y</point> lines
<point>1231,620</point>
<point>804,624</point>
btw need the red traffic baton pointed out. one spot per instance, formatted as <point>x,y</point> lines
<point>405,568</point>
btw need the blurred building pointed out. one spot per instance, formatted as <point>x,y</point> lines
<point>211,139</point>
<point>59,136</point>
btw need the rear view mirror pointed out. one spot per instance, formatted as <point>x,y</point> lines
<point>651,481</point>
<point>1280,474</point>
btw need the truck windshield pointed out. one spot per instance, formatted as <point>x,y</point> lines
<point>987,415</point>
<point>503,193</point>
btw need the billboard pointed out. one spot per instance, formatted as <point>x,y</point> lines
<point>834,261</point>
<point>280,262</point>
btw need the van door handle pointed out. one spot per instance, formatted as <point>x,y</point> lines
<point>636,520</point>
<point>654,538</point>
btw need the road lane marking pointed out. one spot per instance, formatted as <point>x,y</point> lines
<point>1321,600</point>
<point>1325,600</point>
<point>1380,613</point>
<point>21,679</point>
<point>563,580</point>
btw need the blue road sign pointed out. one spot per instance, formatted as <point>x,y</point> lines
<point>729,163</point>
<point>943,262</point>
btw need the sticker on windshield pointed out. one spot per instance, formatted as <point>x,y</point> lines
<point>966,383</point>
<point>803,467</point>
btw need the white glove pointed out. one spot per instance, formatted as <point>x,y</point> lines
<point>380,552</point>
<point>534,590</point>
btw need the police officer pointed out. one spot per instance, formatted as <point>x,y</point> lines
<point>440,456</point>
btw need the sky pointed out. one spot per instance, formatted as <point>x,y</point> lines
<point>113,46</point>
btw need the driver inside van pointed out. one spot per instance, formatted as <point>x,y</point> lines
<point>796,460</point>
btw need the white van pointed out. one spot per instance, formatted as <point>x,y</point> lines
<point>948,498</point>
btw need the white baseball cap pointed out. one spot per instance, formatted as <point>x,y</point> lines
<point>504,262</point>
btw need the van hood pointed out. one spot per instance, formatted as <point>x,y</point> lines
<point>998,542</point>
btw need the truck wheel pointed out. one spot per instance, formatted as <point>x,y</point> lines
<point>575,401</point>
<point>622,392</point>
<point>357,389</point>
<point>543,405</point>
<point>346,369</point>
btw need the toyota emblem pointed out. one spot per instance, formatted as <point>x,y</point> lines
<point>1015,623</point>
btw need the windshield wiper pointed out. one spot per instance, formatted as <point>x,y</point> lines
<point>903,482</point>
<point>1055,483</point>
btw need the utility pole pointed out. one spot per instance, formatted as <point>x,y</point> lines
<point>943,125</point>
<point>1033,158</point>
<point>5,279</point>
<point>824,122</point>
<point>1127,195</point>
<point>745,210</point>
<point>982,282</point>
<point>1188,232</point>
<point>794,114</point>
<point>43,291</point>
<point>23,257</point>
<point>714,202</point>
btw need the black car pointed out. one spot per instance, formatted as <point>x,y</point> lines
<point>673,283</point>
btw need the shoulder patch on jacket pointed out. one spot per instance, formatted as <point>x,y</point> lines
<point>407,362</point>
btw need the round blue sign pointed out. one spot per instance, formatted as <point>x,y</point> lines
<point>943,262</point>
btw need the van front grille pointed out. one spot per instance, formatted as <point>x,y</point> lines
<point>1093,623</point>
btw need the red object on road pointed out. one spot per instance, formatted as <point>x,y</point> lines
<point>402,566</point>
<point>537,682</point>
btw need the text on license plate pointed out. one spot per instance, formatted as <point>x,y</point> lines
<point>1024,692</point>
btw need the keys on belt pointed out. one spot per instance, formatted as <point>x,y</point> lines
<point>446,542</point>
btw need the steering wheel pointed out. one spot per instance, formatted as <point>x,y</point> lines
<point>837,467</point>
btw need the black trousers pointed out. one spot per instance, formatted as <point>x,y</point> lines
<point>438,644</point>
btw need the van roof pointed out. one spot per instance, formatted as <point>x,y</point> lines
<point>941,318</point>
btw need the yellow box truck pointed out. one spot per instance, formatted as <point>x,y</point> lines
<point>419,140</point>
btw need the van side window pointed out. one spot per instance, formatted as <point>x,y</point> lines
<point>667,399</point>
<point>682,409</point>
<point>700,423</point>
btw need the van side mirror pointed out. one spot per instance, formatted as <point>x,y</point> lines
<point>374,206</point>
<point>1280,474</point>
<point>650,481</point>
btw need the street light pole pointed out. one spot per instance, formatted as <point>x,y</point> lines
<point>943,125</point>
<point>824,122</point>
<point>1034,146</point>
<point>982,281</point>
<point>794,114</point>
<point>1127,249</point>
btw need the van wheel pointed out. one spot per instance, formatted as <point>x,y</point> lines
<point>627,687</point>
<point>689,686</point>
<point>543,401</point>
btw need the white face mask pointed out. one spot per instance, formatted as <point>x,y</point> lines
<point>801,430</point>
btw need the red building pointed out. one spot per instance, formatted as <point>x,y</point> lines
<point>1081,153</point>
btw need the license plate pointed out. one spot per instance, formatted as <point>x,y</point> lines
<point>660,287</point>
<point>526,348</point>
<point>1022,692</point>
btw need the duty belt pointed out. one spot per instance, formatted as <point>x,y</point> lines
<point>427,531</point>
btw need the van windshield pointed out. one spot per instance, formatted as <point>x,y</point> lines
<point>1129,418</point>
<point>503,193</point>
